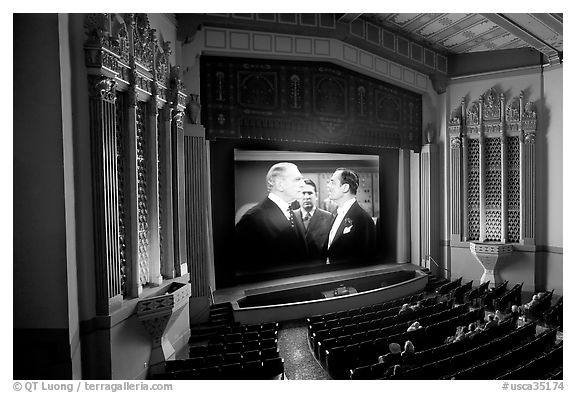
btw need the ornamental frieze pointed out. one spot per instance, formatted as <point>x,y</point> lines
<point>332,103</point>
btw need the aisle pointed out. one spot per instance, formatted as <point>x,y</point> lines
<point>299,362</point>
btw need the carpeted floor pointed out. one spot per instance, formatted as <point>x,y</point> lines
<point>299,362</point>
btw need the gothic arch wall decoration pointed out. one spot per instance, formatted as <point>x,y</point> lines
<point>492,169</point>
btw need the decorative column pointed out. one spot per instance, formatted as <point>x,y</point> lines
<point>482,171</point>
<point>153,204</point>
<point>178,105</point>
<point>105,191</point>
<point>504,183</point>
<point>197,218</point>
<point>528,171</point>
<point>166,194</point>
<point>430,236</point>
<point>457,164</point>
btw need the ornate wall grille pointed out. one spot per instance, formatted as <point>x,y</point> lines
<point>124,145</point>
<point>513,188</point>
<point>122,184</point>
<point>143,241</point>
<point>499,183</point>
<point>161,185</point>
<point>473,189</point>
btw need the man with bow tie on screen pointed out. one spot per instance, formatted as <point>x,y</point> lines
<point>270,236</point>
<point>352,234</point>
<point>316,221</point>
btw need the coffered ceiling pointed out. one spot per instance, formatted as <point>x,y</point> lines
<point>440,45</point>
<point>468,33</point>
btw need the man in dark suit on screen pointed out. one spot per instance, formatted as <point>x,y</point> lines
<point>270,235</point>
<point>316,221</point>
<point>352,234</point>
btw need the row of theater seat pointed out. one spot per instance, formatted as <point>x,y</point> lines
<point>507,360</point>
<point>543,366</point>
<point>365,309</point>
<point>374,319</point>
<point>553,317</point>
<point>226,338</point>
<point>340,359</point>
<point>431,355</point>
<point>451,367</point>
<point>334,338</point>
<point>219,349</point>
<point>251,369</point>
<point>221,359</point>
<point>240,352</point>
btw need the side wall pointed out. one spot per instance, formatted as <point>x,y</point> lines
<point>41,316</point>
<point>538,267</point>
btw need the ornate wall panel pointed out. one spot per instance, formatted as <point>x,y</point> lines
<point>142,198</point>
<point>130,79</point>
<point>497,169</point>
<point>121,140</point>
<point>473,188</point>
<point>306,102</point>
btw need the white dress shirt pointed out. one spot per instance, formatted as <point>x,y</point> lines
<point>341,212</point>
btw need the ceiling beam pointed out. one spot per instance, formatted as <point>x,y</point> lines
<point>554,56</point>
<point>347,18</point>
<point>547,19</point>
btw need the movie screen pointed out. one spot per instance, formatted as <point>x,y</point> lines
<point>304,212</point>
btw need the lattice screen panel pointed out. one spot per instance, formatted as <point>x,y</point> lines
<point>513,188</point>
<point>493,188</point>
<point>143,241</point>
<point>499,195</point>
<point>120,142</point>
<point>473,189</point>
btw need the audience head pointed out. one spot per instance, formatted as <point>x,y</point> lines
<point>408,347</point>
<point>515,308</point>
<point>395,348</point>
<point>490,317</point>
<point>472,327</point>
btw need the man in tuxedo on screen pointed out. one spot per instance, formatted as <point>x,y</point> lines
<point>270,235</point>
<point>352,234</point>
<point>316,221</point>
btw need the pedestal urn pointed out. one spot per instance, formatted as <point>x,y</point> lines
<point>157,313</point>
<point>491,256</point>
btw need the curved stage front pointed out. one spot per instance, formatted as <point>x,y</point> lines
<point>303,296</point>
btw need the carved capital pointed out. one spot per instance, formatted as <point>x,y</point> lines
<point>455,143</point>
<point>104,88</point>
<point>529,138</point>
<point>177,116</point>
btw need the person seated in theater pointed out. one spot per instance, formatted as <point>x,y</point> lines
<point>502,316</point>
<point>316,221</point>
<point>417,306</point>
<point>408,353</point>
<point>405,309</point>
<point>270,234</point>
<point>394,372</point>
<point>514,314</point>
<point>353,233</point>
<point>392,357</point>
<point>472,331</point>
<point>415,326</point>
<point>460,333</point>
<point>491,321</point>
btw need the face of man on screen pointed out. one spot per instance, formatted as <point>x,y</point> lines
<point>335,187</point>
<point>309,197</point>
<point>292,184</point>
